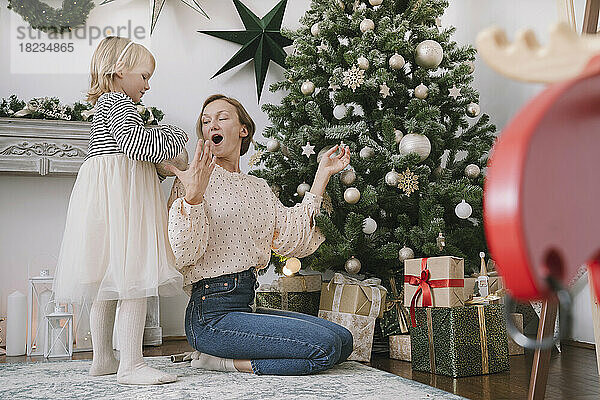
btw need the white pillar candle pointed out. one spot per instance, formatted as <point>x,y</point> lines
<point>16,324</point>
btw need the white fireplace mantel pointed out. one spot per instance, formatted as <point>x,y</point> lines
<point>42,147</point>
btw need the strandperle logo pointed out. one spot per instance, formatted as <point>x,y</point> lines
<point>91,33</point>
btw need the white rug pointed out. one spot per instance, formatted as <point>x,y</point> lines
<point>69,380</point>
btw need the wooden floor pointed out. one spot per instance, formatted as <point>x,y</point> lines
<point>573,374</point>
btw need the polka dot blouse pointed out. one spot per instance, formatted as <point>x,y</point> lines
<point>235,227</point>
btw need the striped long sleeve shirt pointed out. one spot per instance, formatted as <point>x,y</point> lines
<point>118,128</point>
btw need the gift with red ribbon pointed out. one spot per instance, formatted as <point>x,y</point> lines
<point>433,282</point>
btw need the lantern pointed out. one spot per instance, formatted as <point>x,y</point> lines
<point>59,334</point>
<point>40,302</point>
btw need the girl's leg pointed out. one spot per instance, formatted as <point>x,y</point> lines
<point>102,321</point>
<point>132,368</point>
<point>344,334</point>
<point>276,345</point>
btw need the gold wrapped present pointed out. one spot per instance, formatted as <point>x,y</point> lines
<point>349,295</point>
<point>362,329</point>
<point>400,347</point>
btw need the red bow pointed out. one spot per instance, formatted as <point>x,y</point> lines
<point>425,285</point>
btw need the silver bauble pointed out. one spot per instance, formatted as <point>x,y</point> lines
<point>473,110</point>
<point>314,30</point>
<point>363,63</point>
<point>413,143</point>
<point>391,178</point>
<point>180,162</point>
<point>369,225</point>
<point>463,210</point>
<point>405,253</point>
<point>429,54</point>
<point>352,195</point>
<point>302,189</point>
<point>397,62</point>
<point>273,145</point>
<point>276,189</point>
<point>398,135</point>
<point>366,152</point>
<point>421,91</point>
<point>472,171</point>
<point>307,88</point>
<point>375,2</point>
<point>367,25</point>
<point>348,177</point>
<point>352,266</point>
<point>339,111</point>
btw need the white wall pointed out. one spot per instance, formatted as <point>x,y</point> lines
<point>32,209</point>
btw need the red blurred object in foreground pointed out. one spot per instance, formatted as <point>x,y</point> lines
<point>542,191</point>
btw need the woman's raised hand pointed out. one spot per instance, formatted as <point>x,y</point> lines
<point>333,165</point>
<point>195,179</point>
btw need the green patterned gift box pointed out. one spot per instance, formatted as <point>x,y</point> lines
<point>394,320</point>
<point>299,293</point>
<point>460,341</point>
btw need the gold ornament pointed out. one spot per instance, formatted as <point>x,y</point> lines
<point>273,145</point>
<point>367,25</point>
<point>397,62</point>
<point>302,189</point>
<point>363,63</point>
<point>405,253</point>
<point>429,54</point>
<point>293,265</point>
<point>413,143</point>
<point>375,2</point>
<point>408,182</point>
<point>307,88</point>
<point>348,177</point>
<point>473,110</point>
<point>352,266</point>
<point>398,135</point>
<point>352,195</point>
<point>327,204</point>
<point>472,171</point>
<point>366,152</point>
<point>421,91</point>
<point>255,158</point>
<point>354,77</point>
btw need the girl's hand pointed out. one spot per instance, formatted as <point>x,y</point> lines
<point>331,166</point>
<point>195,179</point>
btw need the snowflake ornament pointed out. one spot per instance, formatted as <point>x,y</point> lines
<point>408,182</point>
<point>308,150</point>
<point>354,77</point>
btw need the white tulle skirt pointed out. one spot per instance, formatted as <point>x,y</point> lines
<point>115,244</point>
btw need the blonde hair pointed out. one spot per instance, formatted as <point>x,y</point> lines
<point>243,117</point>
<point>104,61</point>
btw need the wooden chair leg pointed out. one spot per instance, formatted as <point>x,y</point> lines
<point>541,358</point>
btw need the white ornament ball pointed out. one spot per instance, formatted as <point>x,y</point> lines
<point>348,177</point>
<point>369,225</point>
<point>429,54</point>
<point>367,25</point>
<point>352,195</point>
<point>273,145</point>
<point>405,253</point>
<point>398,135</point>
<point>413,143</point>
<point>397,62</point>
<point>366,152</point>
<point>352,266</point>
<point>472,171</point>
<point>473,110</point>
<point>421,91</point>
<point>463,210</point>
<point>293,264</point>
<point>302,189</point>
<point>391,178</point>
<point>315,30</point>
<point>375,2</point>
<point>363,63</point>
<point>307,88</point>
<point>180,162</point>
<point>339,111</point>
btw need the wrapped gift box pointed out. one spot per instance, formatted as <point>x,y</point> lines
<point>299,293</point>
<point>443,277</point>
<point>349,295</point>
<point>361,327</point>
<point>394,320</point>
<point>400,347</point>
<point>460,341</point>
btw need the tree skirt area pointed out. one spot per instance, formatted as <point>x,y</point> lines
<point>70,380</point>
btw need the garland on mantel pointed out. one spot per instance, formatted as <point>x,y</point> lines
<point>51,108</point>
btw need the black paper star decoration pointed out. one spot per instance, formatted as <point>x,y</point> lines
<point>261,41</point>
<point>157,6</point>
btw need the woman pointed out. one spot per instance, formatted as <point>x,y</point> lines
<point>222,231</point>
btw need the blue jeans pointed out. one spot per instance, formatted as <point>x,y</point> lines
<point>219,321</point>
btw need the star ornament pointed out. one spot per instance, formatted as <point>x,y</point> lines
<point>308,150</point>
<point>384,90</point>
<point>261,41</point>
<point>454,92</point>
<point>157,6</point>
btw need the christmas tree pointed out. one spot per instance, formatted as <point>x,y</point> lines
<point>386,79</point>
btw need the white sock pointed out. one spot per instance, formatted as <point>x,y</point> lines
<point>102,321</point>
<point>132,368</point>
<point>212,363</point>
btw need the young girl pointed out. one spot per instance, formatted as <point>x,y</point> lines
<point>115,246</point>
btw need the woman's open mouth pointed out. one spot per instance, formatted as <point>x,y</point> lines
<point>216,139</point>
